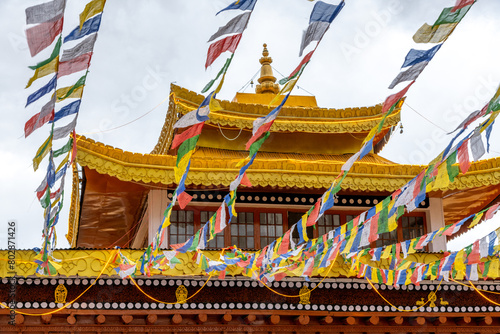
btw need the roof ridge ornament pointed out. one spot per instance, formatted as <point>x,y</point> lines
<point>267,80</point>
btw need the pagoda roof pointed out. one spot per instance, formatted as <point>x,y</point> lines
<point>300,115</point>
<point>129,176</point>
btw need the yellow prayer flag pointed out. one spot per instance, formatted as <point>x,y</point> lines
<point>343,229</point>
<point>62,92</point>
<point>494,266</point>
<point>434,34</point>
<point>286,88</point>
<point>476,220</point>
<point>392,222</point>
<point>442,179</point>
<point>46,69</point>
<point>181,167</point>
<point>459,264</point>
<point>390,277</point>
<point>411,249</point>
<point>42,152</point>
<point>214,105</point>
<point>94,7</point>
<point>408,277</point>
<point>386,253</point>
<point>371,134</point>
<point>63,162</point>
<point>348,245</point>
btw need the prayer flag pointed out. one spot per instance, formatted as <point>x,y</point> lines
<point>44,70</point>
<point>72,92</point>
<point>74,65</point>
<point>433,34</point>
<point>87,45</point>
<point>391,100</point>
<point>40,119</point>
<point>222,71</point>
<point>92,8</point>
<point>45,12</point>
<point>477,146</point>
<point>42,91</point>
<point>462,3</point>
<point>417,56</point>
<point>241,5</point>
<point>299,69</point>
<point>64,131</point>
<point>262,124</point>
<point>89,27</point>
<point>42,152</point>
<point>410,74</point>
<point>42,35</point>
<point>325,12</point>
<point>235,26</point>
<point>314,32</point>
<point>452,15</point>
<point>53,55</point>
<point>215,49</point>
<point>463,157</point>
<point>193,131</point>
<point>69,109</point>
<point>196,116</point>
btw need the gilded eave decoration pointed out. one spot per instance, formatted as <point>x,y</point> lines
<point>209,168</point>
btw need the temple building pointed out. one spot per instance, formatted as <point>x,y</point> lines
<point>119,199</point>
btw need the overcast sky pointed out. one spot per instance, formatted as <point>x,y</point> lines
<point>145,45</point>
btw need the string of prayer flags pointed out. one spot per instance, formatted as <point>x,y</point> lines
<point>241,5</point>
<point>321,17</point>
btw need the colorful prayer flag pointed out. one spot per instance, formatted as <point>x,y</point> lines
<point>235,26</point>
<point>417,56</point>
<point>434,34</point>
<point>452,15</point>
<point>42,35</point>
<point>51,85</point>
<point>44,70</point>
<point>215,49</point>
<point>46,114</point>
<point>89,27</point>
<point>241,5</point>
<point>92,8</point>
<point>74,65</point>
<point>45,12</point>
<point>87,45</point>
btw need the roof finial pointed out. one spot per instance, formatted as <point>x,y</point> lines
<point>267,80</point>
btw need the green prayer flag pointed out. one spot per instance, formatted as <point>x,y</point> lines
<point>452,170</point>
<point>80,82</point>
<point>55,53</point>
<point>65,149</point>
<point>187,146</point>
<point>449,16</point>
<point>223,70</point>
<point>255,147</point>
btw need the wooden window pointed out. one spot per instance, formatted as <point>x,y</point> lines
<point>181,227</point>
<point>387,238</point>
<point>218,240</point>
<point>327,223</point>
<point>409,227</point>
<point>242,230</point>
<point>271,227</point>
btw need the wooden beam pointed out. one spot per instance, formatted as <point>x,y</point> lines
<point>249,319</point>
<point>201,318</point>
<point>328,320</point>
<point>440,321</point>
<point>19,319</point>
<point>151,319</point>
<point>350,321</point>
<point>485,321</point>
<point>71,319</point>
<point>396,320</point>
<point>46,318</point>
<point>100,319</point>
<point>302,320</point>
<point>177,319</point>
<point>274,319</point>
<point>464,321</point>
<point>418,321</point>
<point>226,318</point>
<point>127,319</point>
<point>374,320</point>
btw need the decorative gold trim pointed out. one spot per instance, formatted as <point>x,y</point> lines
<point>74,211</point>
<point>210,167</point>
<point>89,263</point>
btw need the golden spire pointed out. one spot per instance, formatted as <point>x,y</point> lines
<point>267,80</point>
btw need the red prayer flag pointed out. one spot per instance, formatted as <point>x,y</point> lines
<point>216,49</point>
<point>311,220</point>
<point>260,131</point>
<point>392,99</point>
<point>245,181</point>
<point>491,211</point>
<point>374,228</point>
<point>285,243</point>
<point>42,35</point>
<point>185,135</point>
<point>184,198</point>
<point>306,58</point>
<point>461,4</point>
<point>475,255</point>
<point>74,65</point>
<point>37,121</point>
<point>463,157</point>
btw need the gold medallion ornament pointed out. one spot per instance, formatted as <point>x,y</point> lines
<point>305,295</point>
<point>181,294</point>
<point>432,298</point>
<point>60,294</point>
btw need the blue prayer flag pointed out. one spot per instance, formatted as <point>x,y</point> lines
<point>51,85</point>
<point>325,12</point>
<point>366,149</point>
<point>241,5</point>
<point>89,27</point>
<point>417,56</point>
<point>67,110</point>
